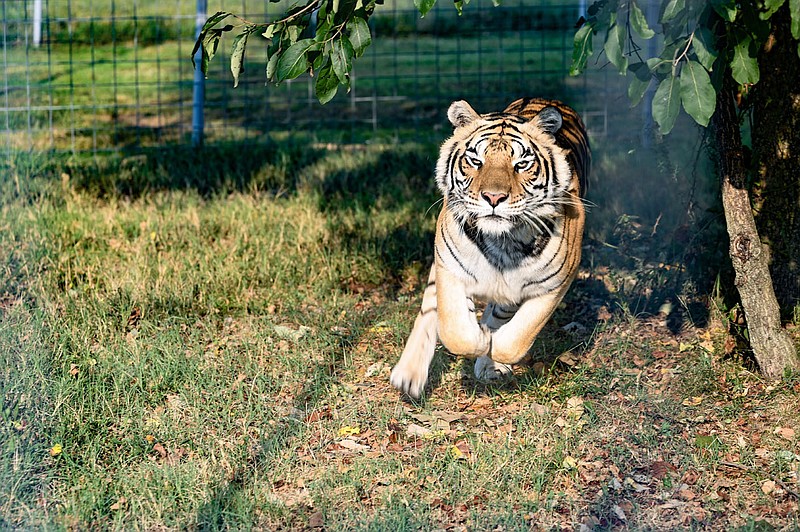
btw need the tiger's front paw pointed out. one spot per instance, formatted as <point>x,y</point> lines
<point>409,380</point>
<point>471,343</point>
<point>487,369</point>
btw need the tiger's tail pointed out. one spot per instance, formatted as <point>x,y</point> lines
<point>411,372</point>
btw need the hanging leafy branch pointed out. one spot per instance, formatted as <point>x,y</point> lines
<point>699,40</point>
<point>321,37</point>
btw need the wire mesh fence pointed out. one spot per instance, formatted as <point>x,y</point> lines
<point>99,75</point>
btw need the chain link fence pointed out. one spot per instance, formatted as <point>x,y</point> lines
<point>107,75</point>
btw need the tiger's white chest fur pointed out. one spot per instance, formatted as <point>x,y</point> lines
<point>490,272</point>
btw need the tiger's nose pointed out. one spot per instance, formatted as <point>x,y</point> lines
<point>494,199</point>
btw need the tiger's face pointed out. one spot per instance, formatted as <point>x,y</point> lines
<point>501,171</point>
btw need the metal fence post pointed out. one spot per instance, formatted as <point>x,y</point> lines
<point>37,23</point>
<point>199,87</point>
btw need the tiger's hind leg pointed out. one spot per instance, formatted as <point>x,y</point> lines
<point>494,317</point>
<point>411,372</point>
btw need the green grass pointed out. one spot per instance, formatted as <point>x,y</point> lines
<point>273,294</point>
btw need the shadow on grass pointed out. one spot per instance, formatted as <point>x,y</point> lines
<point>220,512</point>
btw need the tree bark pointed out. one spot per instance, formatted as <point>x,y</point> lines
<point>776,149</point>
<point>772,346</point>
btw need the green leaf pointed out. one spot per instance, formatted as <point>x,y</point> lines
<point>272,65</point>
<point>672,9</point>
<point>794,9</point>
<point>210,44</point>
<point>293,32</point>
<point>658,65</point>
<point>459,6</point>
<point>208,39</point>
<point>744,65</point>
<point>771,7</point>
<point>704,47</point>
<point>614,48</point>
<point>342,58</point>
<point>326,85</point>
<point>293,61</point>
<point>270,31</point>
<point>639,82</point>
<point>423,6</point>
<point>639,23</point>
<point>705,442</point>
<point>197,45</point>
<point>360,36</point>
<point>214,19</point>
<point>581,49</point>
<point>666,104</point>
<point>727,9</point>
<point>237,56</point>
<point>324,29</point>
<point>344,12</point>
<point>697,94</point>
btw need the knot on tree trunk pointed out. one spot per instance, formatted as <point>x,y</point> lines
<point>744,247</point>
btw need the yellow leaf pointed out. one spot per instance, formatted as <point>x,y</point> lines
<point>379,328</point>
<point>347,430</point>
<point>150,438</point>
<point>569,463</point>
<point>692,401</point>
<point>56,449</point>
<point>684,347</point>
<point>456,453</point>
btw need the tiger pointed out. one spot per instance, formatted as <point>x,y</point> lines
<point>509,234</point>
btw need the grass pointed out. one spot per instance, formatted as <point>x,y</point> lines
<point>205,343</point>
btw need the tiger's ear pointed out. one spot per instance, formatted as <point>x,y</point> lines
<point>461,114</point>
<point>549,120</point>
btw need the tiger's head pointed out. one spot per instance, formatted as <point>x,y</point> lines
<point>500,171</point>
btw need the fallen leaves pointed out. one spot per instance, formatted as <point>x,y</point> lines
<point>460,450</point>
<point>660,469</point>
<point>119,505</point>
<point>352,445</point>
<point>785,433</point>
<point>692,401</point>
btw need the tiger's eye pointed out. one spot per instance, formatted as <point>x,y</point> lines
<point>474,162</point>
<point>523,166</point>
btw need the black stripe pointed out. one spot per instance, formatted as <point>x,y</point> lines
<point>451,164</point>
<point>450,249</point>
<point>552,274</point>
<point>503,317</point>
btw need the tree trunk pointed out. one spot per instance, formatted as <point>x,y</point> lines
<point>772,347</point>
<point>776,149</point>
